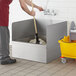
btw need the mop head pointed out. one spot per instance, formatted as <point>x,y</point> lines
<point>42,42</point>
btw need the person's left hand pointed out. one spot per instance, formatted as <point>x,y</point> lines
<point>40,9</point>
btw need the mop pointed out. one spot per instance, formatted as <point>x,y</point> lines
<point>37,40</point>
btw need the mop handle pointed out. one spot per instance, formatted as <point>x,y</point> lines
<point>34,19</point>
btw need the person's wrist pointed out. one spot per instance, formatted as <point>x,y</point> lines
<point>29,13</point>
<point>36,7</point>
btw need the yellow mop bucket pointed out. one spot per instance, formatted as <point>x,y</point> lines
<point>68,49</point>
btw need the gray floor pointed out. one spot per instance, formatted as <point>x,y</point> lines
<point>30,68</point>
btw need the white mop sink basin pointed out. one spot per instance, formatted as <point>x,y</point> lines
<point>50,31</point>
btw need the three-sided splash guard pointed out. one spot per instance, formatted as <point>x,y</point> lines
<point>49,31</point>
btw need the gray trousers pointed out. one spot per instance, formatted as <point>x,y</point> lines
<point>4,41</point>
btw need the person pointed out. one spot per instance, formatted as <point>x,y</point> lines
<point>4,31</point>
<point>24,4</point>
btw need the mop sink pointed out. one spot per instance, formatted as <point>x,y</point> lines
<point>49,31</point>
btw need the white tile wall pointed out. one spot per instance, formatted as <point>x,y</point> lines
<point>65,9</point>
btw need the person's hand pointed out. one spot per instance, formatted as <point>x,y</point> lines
<point>32,13</point>
<point>40,9</point>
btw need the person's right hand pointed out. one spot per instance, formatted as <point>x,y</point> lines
<point>32,13</point>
